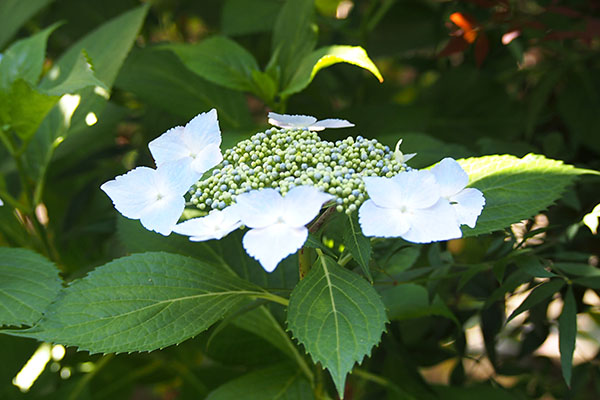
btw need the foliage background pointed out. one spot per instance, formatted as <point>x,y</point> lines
<point>449,90</point>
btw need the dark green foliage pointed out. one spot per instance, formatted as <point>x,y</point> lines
<point>373,318</point>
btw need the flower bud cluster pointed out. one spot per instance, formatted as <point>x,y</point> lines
<point>286,158</point>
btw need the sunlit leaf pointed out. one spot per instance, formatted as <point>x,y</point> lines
<point>24,59</point>
<point>325,57</point>
<point>516,188</point>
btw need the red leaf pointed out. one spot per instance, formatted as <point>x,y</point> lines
<point>455,45</point>
<point>467,24</point>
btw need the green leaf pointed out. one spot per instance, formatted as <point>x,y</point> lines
<point>137,239</point>
<point>358,245</point>
<point>516,188</point>
<point>28,284</point>
<point>141,302</point>
<point>533,266</point>
<point>23,108</point>
<point>408,301</point>
<point>219,60</point>
<point>567,327</point>
<point>577,269</point>
<point>325,57</point>
<point>537,295</point>
<point>294,37</point>
<point>337,316</point>
<point>14,13</point>
<point>107,46</point>
<point>80,76</point>
<point>154,75</point>
<point>262,323</point>
<point>278,382</point>
<point>241,17</point>
<point>25,59</point>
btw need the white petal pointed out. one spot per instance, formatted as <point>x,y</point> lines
<point>260,208</point>
<point>407,157</point>
<point>169,146</point>
<point>413,189</point>
<point>132,192</point>
<point>1,202</point>
<point>433,224</point>
<point>207,158</point>
<point>330,123</point>
<point>291,121</point>
<point>272,244</point>
<point>419,188</point>
<point>468,204</point>
<point>162,215</point>
<point>450,176</point>
<point>203,129</point>
<point>215,225</point>
<point>198,141</point>
<point>175,178</point>
<point>383,191</point>
<point>155,196</point>
<point>302,204</point>
<point>381,222</point>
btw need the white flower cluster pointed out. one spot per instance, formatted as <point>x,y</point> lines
<point>419,206</point>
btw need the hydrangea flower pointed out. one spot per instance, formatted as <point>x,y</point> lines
<point>408,205</point>
<point>277,223</point>
<point>452,180</point>
<point>216,225</point>
<point>401,157</point>
<point>306,122</point>
<point>197,143</point>
<point>154,196</point>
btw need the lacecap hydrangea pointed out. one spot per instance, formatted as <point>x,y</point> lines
<point>278,181</point>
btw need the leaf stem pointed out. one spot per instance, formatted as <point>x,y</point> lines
<point>274,298</point>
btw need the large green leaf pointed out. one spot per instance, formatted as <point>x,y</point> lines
<point>137,239</point>
<point>294,37</point>
<point>28,284</point>
<point>516,188</point>
<point>277,382</point>
<point>107,46</point>
<point>141,302</point>
<point>80,75</point>
<point>219,60</point>
<point>154,75</point>
<point>25,59</point>
<point>337,316</point>
<point>14,13</point>
<point>567,326</point>
<point>325,57</point>
<point>23,108</point>
<point>358,245</point>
